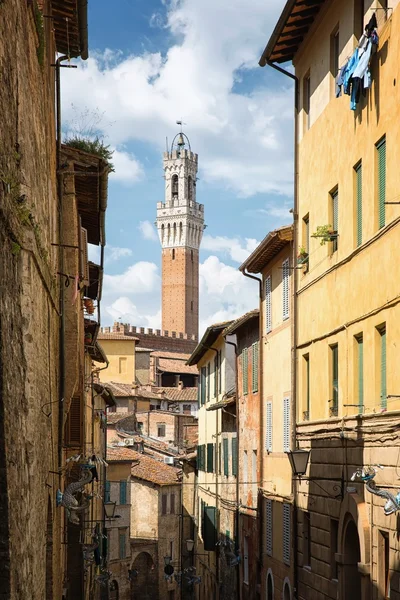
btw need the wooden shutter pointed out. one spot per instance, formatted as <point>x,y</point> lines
<point>268,307</point>
<point>335,214</point>
<point>360,348</point>
<point>220,371</point>
<point>245,370</point>
<point>383,368</point>
<point>286,424</point>
<point>74,424</point>
<point>172,501</point>
<point>268,525</point>
<point>122,492</point>
<point>255,367</point>
<point>164,500</point>
<point>358,170</point>
<point>234,456</point>
<point>203,378</point>
<point>286,534</point>
<point>381,150</point>
<point>335,380</point>
<point>208,382</point>
<point>285,289</point>
<point>268,438</point>
<point>210,458</point>
<point>210,528</point>
<point>107,491</point>
<point>226,456</point>
<point>216,369</point>
<point>202,507</point>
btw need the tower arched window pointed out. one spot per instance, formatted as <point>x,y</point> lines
<point>174,235</point>
<point>175,184</point>
<point>169,233</point>
<point>173,253</point>
<point>180,232</point>
<point>162,233</point>
<point>190,188</point>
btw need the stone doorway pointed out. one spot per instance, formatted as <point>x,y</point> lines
<point>144,583</point>
<point>352,556</point>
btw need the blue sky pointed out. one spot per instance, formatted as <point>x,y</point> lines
<point>151,63</point>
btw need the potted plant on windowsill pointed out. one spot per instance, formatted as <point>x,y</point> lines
<point>302,256</point>
<point>326,233</point>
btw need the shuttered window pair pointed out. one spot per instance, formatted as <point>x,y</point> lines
<point>268,307</point>
<point>285,289</point>
<point>254,367</point>
<point>286,534</point>
<point>268,525</point>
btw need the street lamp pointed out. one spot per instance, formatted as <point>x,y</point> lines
<point>109,509</point>
<point>189,545</point>
<point>298,461</point>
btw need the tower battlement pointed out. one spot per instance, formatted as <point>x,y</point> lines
<point>153,339</point>
<point>127,329</point>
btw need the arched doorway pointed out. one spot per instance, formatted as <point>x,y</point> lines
<point>351,575</point>
<point>144,581</point>
<point>114,593</point>
<point>287,593</point>
<point>270,585</point>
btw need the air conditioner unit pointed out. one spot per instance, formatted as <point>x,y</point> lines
<point>129,442</point>
<point>119,444</point>
<point>169,460</point>
<point>84,257</point>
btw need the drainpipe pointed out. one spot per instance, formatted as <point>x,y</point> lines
<point>59,60</point>
<point>238,594</point>
<point>293,414</point>
<point>261,429</point>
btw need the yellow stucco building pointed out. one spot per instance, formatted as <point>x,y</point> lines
<point>346,298</point>
<point>120,351</point>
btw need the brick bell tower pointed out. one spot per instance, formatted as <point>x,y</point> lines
<point>180,224</point>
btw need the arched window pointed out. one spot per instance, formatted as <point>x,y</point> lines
<point>180,232</point>
<point>190,188</point>
<point>114,592</point>
<point>169,233</point>
<point>162,232</point>
<point>174,187</point>
<point>174,238</point>
<point>287,594</point>
<point>270,587</point>
<point>173,253</point>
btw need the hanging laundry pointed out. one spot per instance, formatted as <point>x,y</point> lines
<point>351,65</point>
<point>340,80</point>
<point>372,24</point>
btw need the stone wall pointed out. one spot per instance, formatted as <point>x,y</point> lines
<point>30,555</point>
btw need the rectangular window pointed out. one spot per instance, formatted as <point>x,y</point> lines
<point>335,217</point>
<point>268,525</point>
<point>107,492</point>
<point>306,413</point>
<point>286,424</point>
<point>381,183</point>
<point>203,380</point>
<point>383,373</point>
<point>187,409</point>
<point>268,307</point>
<point>245,472</point>
<point>210,458</point>
<point>122,492</point>
<point>245,370</point>
<point>208,382</point>
<point>234,456</point>
<point>172,504</point>
<point>123,365</point>
<point>306,539</point>
<point>246,560</point>
<point>286,534</point>
<point>216,375</point>
<point>74,424</point>
<point>334,57</point>
<point>383,563</point>
<point>285,289</point>
<point>334,547</point>
<point>255,367</point>
<point>226,456</point>
<point>122,544</point>
<point>268,437</point>
<point>219,458</point>
<point>254,483</point>
<point>360,372</point>
<point>210,528</point>
<point>358,190</point>
<point>334,408</point>
<point>164,500</point>
<point>358,18</point>
<point>307,101</point>
<point>160,429</point>
<point>306,233</point>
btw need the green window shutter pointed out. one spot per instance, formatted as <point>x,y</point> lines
<point>210,458</point>
<point>383,368</point>
<point>208,381</point>
<point>226,456</point>
<point>210,528</point>
<point>220,371</point>
<point>335,214</point>
<point>381,149</point>
<point>255,367</point>
<point>245,370</point>
<point>360,345</point>
<point>335,381</point>
<point>203,386</point>
<point>107,491</point>
<point>216,369</point>
<point>122,492</point>
<point>234,456</point>
<point>359,202</point>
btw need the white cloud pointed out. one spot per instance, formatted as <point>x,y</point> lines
<point>128,169</point>
<point>244,139</point>
<point>148,230</point>
<point>124,309</point>
<point>233,247</point>
<point>113,253</point>
<point>140,278</point>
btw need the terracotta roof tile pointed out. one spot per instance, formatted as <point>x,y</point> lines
<point>120,390</point>
<point>116,336</point>
<point>175,366</point>
<point>166,354</point>
<point>121,453</point>
<point>176,394</point>
<point>114,417</point>
<point>155,471</point>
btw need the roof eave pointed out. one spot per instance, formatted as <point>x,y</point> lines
<point>284,235</point>
<point>202,347</point>
<point>266,55</point>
